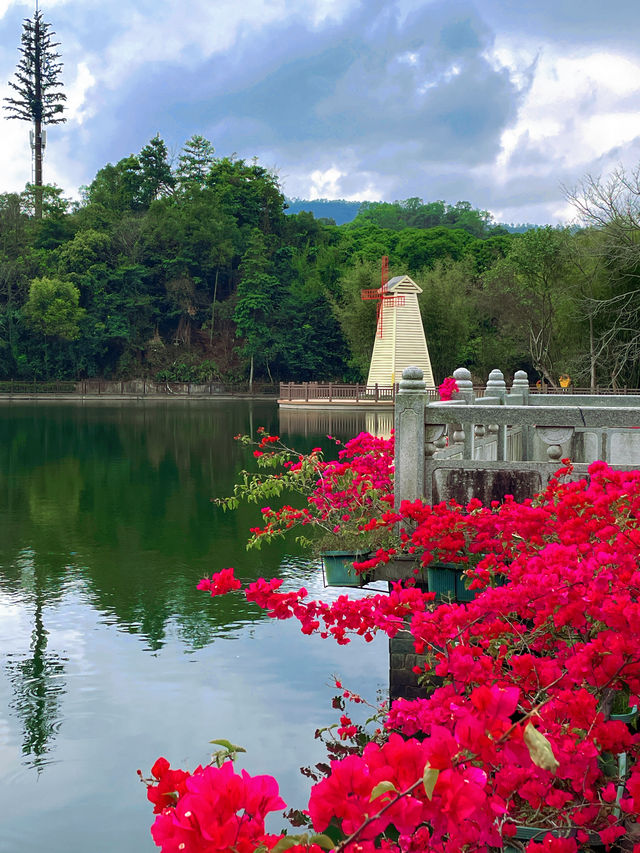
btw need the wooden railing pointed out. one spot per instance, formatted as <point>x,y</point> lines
<point>133,388</point>
<point>335,392</point>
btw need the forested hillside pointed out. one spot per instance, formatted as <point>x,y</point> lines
<point>194,272</point>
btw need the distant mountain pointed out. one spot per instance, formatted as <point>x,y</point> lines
<point>339,210</point>
<point>342,211</point>
<point>520,228</point>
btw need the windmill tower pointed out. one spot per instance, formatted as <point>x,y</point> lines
<point>400,340</point>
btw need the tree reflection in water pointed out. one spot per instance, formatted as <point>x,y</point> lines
<point>38,685</point>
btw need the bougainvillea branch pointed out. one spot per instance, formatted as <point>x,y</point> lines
<point>519,728</point>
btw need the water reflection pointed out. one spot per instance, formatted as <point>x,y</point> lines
<point>126,492</point>
<point>36,678</point>
<point>108,650</point>
<point>343,423</point>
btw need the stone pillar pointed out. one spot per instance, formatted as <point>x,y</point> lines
<point>465,392</point>
<point>521,386</point>
<point>403,681</point>
<point>465,386</point>
<point>409,436</point>
<point>497,388</point>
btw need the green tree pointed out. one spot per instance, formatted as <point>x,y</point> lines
<point>40,98</point>
<point>357,318</point>
<point>611,207</point>
<point>133,183</point>
<point>195,162</point>
<point>88,247</point>
<point>256,296</point>
<point>248,192</point>
<point>414,213</point>
<point>535,272</point>
<point>53,308</point>
<point>156,177</point>
<point>418,248</point>
<point>116,189</point>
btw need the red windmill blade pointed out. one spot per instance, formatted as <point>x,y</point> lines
<point>382,295</point>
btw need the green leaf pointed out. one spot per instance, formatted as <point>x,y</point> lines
<point>226,744</point>
<point>383,787</point>
<point>322,841</point>
<point>289,841</point>
<point>429,779</point>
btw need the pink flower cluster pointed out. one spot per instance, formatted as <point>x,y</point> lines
<point>215,809</point>
<point>342,496</point>
<point>448,388</point>
<point>518,728</point>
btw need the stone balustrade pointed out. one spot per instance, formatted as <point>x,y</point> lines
<point>507,441</point>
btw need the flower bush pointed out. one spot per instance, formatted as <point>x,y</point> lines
<point>448,388</point>
<point>518,731</point>
<point>340,497</point>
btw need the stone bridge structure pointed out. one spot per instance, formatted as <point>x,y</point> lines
<point>496,442</point>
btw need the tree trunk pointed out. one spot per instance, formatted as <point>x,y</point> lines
<point>251,377</point>
<point>213,304</point>
<point>592,356</point>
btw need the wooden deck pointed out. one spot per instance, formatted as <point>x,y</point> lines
<point>320,394</point>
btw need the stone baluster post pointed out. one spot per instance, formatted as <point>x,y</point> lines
<point>465,432</point>
<point>465,386</point>
<point>497,388</point>
<point>554,437</point>
<point>409,436</point>
<point>521,386</point>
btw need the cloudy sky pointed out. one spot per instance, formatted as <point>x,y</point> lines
<point>498,102</point>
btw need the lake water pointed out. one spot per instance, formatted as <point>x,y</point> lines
<point>109,656</point>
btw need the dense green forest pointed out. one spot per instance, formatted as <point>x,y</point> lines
<point>194,272</point>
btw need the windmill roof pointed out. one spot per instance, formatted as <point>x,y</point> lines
<point>403,284</point>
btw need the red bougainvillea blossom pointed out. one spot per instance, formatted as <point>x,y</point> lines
<point>517,724</point>
<point>448,388</point>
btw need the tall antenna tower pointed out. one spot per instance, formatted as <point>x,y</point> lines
<point>37,95</point>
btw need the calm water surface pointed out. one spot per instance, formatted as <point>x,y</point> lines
<point>109,656</point>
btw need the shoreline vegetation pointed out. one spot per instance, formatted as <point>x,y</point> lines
<point>195,272</point>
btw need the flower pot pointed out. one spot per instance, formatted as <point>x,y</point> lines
<point>593,843</point>
<point>629,717</point>
<point>447,580</point>
<point>338,568</point>
<point>462,593</point>
<point>442,578</point>
<point>527,833</point>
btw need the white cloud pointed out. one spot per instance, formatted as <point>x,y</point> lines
<point>327,10</point>
<point>332,181</point>
<point>15,155</point>
<point>325,183</point>
<point>76,108</point>
<point>579,110</point>
<point>166,33</point>
<point>5,5</point>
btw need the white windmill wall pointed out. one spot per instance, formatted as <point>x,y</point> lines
<point>403,341</point>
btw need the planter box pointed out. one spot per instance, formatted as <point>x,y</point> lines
<point>337,567</point>
<point>629,717</point>
<point>537,833</point>
<point>447,580</point>
<point>526,833</point>
<point>443,579</point>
